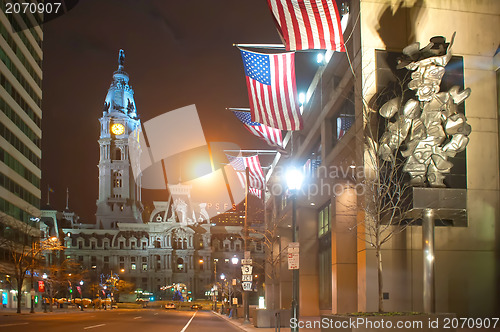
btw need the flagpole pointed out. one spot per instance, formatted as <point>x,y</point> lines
<point>246,307</point>
<point>252,151</point>
<point>241,109</point>
<point>280,46</point>
<point>67,198</point>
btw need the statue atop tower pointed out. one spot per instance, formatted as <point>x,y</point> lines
<point>119,198</point>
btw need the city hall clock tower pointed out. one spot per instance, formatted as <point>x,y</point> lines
<point>119,195</point>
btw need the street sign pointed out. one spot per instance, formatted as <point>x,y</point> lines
<point>247,254</point>
<point>234,282</point>
<point>293,256</point>
<point>247,286</point>
<point>246,261</point>
<point>235,300</point>
<point>246,269</point>
<point>41,286</point>
<point>247,277</point>
<point>79,289</point>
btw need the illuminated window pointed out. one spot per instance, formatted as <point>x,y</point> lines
<point>144,267</point>
<point>133,266</point>
<point>324,220</point>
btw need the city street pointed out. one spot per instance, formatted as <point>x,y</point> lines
<point>117,320</point>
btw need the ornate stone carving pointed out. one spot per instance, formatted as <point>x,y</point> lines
<point>431,127</point>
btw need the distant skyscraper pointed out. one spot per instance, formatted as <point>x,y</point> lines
<point>20,129</point>
<point>119,196</point>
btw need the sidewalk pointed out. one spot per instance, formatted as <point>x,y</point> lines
<point>238,322</point>
<point>26,311</point>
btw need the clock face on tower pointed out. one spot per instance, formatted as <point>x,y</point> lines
<point>117,128</point>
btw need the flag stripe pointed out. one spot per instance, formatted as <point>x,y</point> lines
<point>307,21</point>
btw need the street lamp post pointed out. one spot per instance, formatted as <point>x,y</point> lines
<point>235,261</point>
<point>222,278</point>
<point>294,181</point>
<point>81,294</point>
<point>215,284</point>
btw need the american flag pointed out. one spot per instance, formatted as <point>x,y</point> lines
<point>271,89</point>
<point>255,172</point>
<point>272,136</point>
<point>309,24</point>
<point>344,122</point>
<point>255,192</point>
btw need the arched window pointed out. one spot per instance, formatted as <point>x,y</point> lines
<point>157,244</point>
<point>180,264</point>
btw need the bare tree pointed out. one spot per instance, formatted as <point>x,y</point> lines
<point>20,240</point>
<point>387,190</point>
<point>272,249</point>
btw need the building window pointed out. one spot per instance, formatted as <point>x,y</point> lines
<point>144,266</point>
<point>325,272</point>
<point>180,264</point>
<point>132,259</point>
<point>324,220</point>
<point>133,266</point>
<point>106,258</point>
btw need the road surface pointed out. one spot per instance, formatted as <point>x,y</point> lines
<point>120,320</point>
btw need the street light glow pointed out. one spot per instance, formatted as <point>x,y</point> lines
<point>234,260</point>
<point>222,276</point>
<point>302,98</point>
<point>294,179</point>
<point>320,58</point>
<point>81,282</point>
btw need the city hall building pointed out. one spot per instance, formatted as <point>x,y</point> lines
<point>178,244</point>
<point>338,267</point>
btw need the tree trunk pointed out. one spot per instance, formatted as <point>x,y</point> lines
<point>19,294</point>
<point>378,254</point>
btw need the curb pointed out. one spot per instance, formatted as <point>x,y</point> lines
<point>229,320</point>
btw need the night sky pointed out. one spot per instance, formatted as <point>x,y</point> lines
<point>178,53</point>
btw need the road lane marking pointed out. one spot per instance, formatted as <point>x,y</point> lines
<point>155,314</point>
<point>185,327</point>
<point>91,327</point>
<point>13,324</point>
<point>137,317</point>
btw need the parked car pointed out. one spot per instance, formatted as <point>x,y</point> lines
<point>170,305</point>
<point>196,307</point>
